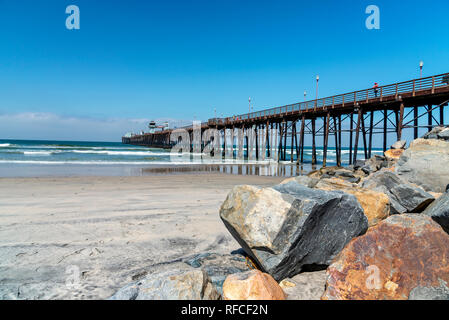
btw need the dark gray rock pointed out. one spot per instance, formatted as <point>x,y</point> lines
<point>218,266</point>
<point>347,175</point>
<point>439,211</point>
<point>375,163</point>
<point>367,170</point>
<point>289,228</point>
<point>404,197</point>
<point>359,164</point>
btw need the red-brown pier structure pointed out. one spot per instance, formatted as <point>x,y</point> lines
<point>359,114</point>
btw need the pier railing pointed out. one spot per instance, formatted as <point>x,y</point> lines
<point>382,93</point>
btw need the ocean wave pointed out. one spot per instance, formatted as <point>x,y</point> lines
<point>48,152</point>
<point>121,153</point>
<point>90,162</point>
<point>38,153</point>
<point>5,145</point>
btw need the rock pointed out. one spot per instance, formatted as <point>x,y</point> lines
<point>306,181</point>
<point>376,205</point>
<point>436,195</point>
<point>342,173</point>
<point>290,227</point>
<point>439,132</point>
<point>393,154</point>
<point>403,257</point>
<point>425,163</point>
<point>218,267</point>
<point>404,197</point>
<point>305,286</point>
<point>185,283</point>
<point>252,285</point>
<point>347,175</point>
<point>444,134</point>
<point>439,211</point>
<point>359,164</point>
<point>330,184</point>
<point>373,164</point>
<point>367,170</point>
<point>399,144</point>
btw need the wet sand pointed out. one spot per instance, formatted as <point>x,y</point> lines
<point>285,169</point>
<point>85,237</point>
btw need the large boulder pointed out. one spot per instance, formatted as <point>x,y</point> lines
<point>252,285</point>
<point>439,211</point>
<point>376,205</point>
<point>291,227</point>
<point>404,197</point>
<point>425,163</point>
<point>305,286</point>
<point>403,257</point>
<point>181,283</point>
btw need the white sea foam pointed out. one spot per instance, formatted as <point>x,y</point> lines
<point>38,153</point>
<point>122,153</point>
<point>4,145</point>
<point>92,162</point>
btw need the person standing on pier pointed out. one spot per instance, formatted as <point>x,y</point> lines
<point>376,86</point>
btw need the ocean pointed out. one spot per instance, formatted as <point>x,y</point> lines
<point>25,158</point>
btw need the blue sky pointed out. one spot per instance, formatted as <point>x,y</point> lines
<point>135,60</point>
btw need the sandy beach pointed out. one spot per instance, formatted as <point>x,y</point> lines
<point>107,230</point>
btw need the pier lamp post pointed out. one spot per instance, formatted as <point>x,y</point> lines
<point>317,82</point>
<point>421,65</point>
<point>305,95</point>
<point>249,105</point>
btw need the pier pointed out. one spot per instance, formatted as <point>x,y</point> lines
<point>359,114</point>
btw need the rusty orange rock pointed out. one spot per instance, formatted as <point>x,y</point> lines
<point>376,205</point>
<point>252,285</point>
<point>393,154</point>
<point>403,257</point>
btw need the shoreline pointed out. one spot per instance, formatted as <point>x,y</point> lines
<point>89,170</point>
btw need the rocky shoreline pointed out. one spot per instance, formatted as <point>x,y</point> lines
<point>375,230</point>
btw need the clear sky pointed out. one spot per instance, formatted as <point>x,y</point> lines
<point>133,61</point>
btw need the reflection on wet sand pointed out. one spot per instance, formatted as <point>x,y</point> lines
<point>275,170</point>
